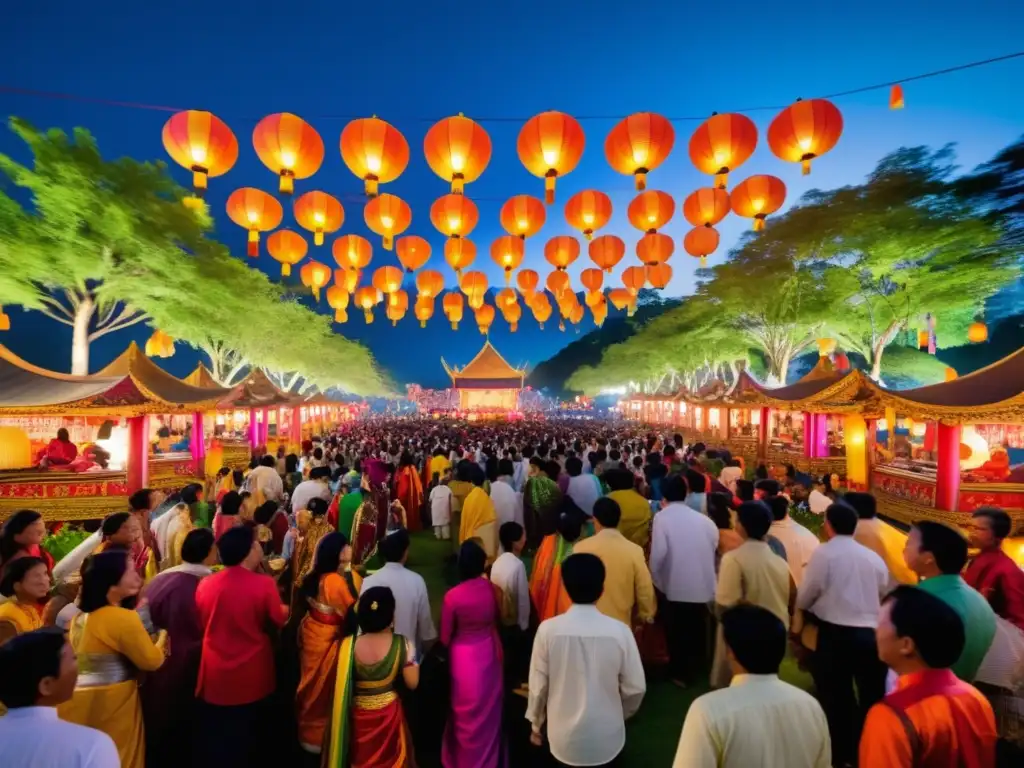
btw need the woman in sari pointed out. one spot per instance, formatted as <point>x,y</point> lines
<point>546,590</point>
<point>542,500</point>
<point>409,491</point>
<point>111,645</point>
<point>469,629</point>
<point>368,728</point>
<point>329,590</point>
<point>26,583</point>
<point>479,520</point>
<point>122,530</point>
<point>21,536</point>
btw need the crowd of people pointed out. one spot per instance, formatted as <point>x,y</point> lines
<point>272,617</point>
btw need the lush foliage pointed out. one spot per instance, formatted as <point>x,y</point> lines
<point>59,544</point>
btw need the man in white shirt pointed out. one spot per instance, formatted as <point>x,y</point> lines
<point>843,586</point>
<point>683,546</point>
<point>264,479</point>
<point>817,501</point>
<point>799,542</point>
<point>412,608</point>
<point>584,490</point>
<point>508,505</point>
<point>317,487</point>
<point>758,721</point>
<point>586,678</point>
<point>441,508</point>
<point>38,671</point>
<point>509,574</point>
<point>520,472</point>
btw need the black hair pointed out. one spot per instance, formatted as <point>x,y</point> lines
<point>937,630</point>
<point>100,574</point>
<point>506,468</point>
<point>573,466</point>
<point>695,481</point>
<point>744,490</point>
<point>265,512</point>
<point>327,560</point>
<point>779,506</point>
<point>376,610</point>
<point>618,479</point>
<point>394,546</point>
<point>570,525</point>
<point>235,544</point>
<point>756,637</point>
<point>842,518</point>
<point>317,473</point>
<point>607,512</point>
<point>317,507</point>
<point>231,503</point>
<point>476,475</point>
<point>25,661</point>
<point>583,577</point>
<point>197,545</point>
<point>238,478</point>
<point>268,461</point>
<point>768,486</point>
<point>139,500</point>
<point>1001,523</point>
<point>761,472</point>
<point>190,493</point>
<point>863,504</point>
<point>291,463</point>
<point>947,545</point>
<point>464,470</point>
<point>756,519</point>
<point>14,573</point>
<point>509,534</point>
<point>113,523</point>
<point>15,526</point>
<point>552,469</point>
<point>472,560</point>
<point>673,488</point>
<point>718,510</point>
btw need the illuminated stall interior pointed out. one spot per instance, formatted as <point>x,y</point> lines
<point>487,384</point>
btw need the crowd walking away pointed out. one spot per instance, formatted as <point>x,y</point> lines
<point>401,591</point>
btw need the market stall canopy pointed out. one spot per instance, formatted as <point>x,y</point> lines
<point>201,377</point>
<point>257,391</point>
<point>488,370</point>
<point>160,386</point>
<point>822,390</point>
<point>26,388</point>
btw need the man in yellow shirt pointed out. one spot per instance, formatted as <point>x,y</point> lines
<point>628,583</point>
<point>635,523</point>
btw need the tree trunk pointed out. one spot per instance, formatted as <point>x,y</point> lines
<point>879,349</point>
<point>80,336</point>
<point>784,367</point>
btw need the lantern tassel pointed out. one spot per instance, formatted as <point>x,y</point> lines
<point>549,188</point>
<point>423,323</point>
<point>287,185</point>
<point>513,327</point>
<point>318,237</point>
<point>588,234</point>
<point>389,243</point>
<point>758,223</point>
<point>368,316</point>
<point>192,202</point>
<point>896,97</point>
<point>703,261</point>
<point>254,244</point>
<point>508,277</point>
<point>458,184</point>
<point>340,316</point>
<point>455,325</point>
<point>316,293</point>
<point>371,186</point>
<point>286,270</point>
<point>805,166</point>
<point>641,179</point>
<point>199,176</point>
<point>721,179</point>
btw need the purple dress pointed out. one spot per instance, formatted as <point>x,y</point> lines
<point>469,628</point>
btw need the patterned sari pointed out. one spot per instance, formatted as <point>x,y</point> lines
<point>546,590</point>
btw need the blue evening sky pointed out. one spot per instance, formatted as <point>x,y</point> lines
<point>412,62</point>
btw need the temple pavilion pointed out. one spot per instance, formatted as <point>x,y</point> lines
<point>487,382</point>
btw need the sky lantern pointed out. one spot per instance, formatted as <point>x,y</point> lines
<point>459,253</point>
<point>607,251</point>
<point>757,197</point>
<point>550,145</point>
<point>620,297</point>
<point>388,216</point>
<point>352,252</point>
<point>706,206</point>
<point>159,345</point>
<point>655,248</point>
<point>457,150</point>
<point>592,279</point>
<point>505,298</point>
<point>588,211</point>
<point>398,305</point>
<point>541,308</point>
<point>423,309</point>
<point>201,142</point>
<point>576,315</point>
<point>634,278</point>
<point>558,283</point>
<point>527,280</point>
<point>256,211</point>
<point>318,212</point>
<point>375,151</point>
<point>413,252</point>
<point>805,130</point>
<point>474,285</point>
<point>347,279</point>
<point>721,144</point>
<point>5,320</point>
<point>651,210</point>
<point>338,299</point>
<point>507,252</point>
<point>454,215</point>
<point>638,144</point>
<point>288,248</point>
<point>513,313</point>
<point>429,283</point>
<point>600,313</point>
<point>896,97</point>
<point>315,275</point>
<point>977,333</point>
<point>453,305</point>
<point>484,316</point>
<point>366,299</point>
<point>388,280</point>
<point>593,298</point>
<point>561,251</point>
<point>523,216</point>
<point>701,242</point>
<point>659,275</point>
<point>289,146</point>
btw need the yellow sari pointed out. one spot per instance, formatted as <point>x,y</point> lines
<point>479,521</point>
<point>111,644</point>
<point>17,619</point>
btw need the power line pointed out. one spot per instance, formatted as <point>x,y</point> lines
<point>78,98</point>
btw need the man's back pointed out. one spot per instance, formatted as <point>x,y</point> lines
<point>412,607</point>
<point>844,583</point>
<point>627,580</point>
<point>974,611</point>
<point>752,573</point>
<point>35,736</point>
<point>505,503</point>
<point>683,544</point>
<point>799,542</point>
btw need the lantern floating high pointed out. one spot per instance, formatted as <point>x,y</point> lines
<point>559,284</point>
<point>721,144</point>
<point>159,345</point>
<point>507,252</point>
<point>522,216</point>
<point>289,146</point>
<point>484,316</point>
<point>375,151</point>
<point>429,284</point>
<point>398,305</point>
<point>453,305</point>
<point>701,242</point>
<point>655,248</point>
<point>318,212</point>
<point>505,297</point>
<point>757,197</point>
<point>315,275</point>
<point>622,298</point>
<point>254,210</point>
<point>527,280</point>
<point>607,251</point>
<point>513,313</point>
<point>896,97</point>
<point>454,215</point>
<point>638,144</point>
<point>588,211</point>
<point>347,279</point>
<point>541,309</point>
<point>706,206</point>
<point>388,216</point>
<point>388,280</point>
<point>561,251</point>
<point>659,275</point>
<point>352,252</point>
<point>288,248</point>
<point>423,309</point>
<point>592,279</point>
<point>458,150</point>
<point>651,210</point>
<point>413,252</point>
<point>805,130</point>
<point>459,253</point>
<point>366,299</point>
<point>977,333</point>
<point>634,278</point>
<point>474,285</point>
<point>550,145</point>
<point>338,300</point>
<point>202,143</point>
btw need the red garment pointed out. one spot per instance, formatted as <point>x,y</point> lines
<point>236,609</point>
<point>36,551</point>
<point>224,523</point>
<point>409,491</point>
<point>332,512</point>
<point>1001,581</point>
<point>278,529</point>
<point>59,452</point>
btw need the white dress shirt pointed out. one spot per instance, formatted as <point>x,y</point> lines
<point>267,481</point>
<point>799,542</point>
<point>818,502</point>
<point>585,490</point>
<point>509,574</point>
<point>36,737</point>
<point>520,474</point>
<point>440,505</point>
<point>683,545</point>
<point>412,608</point>
<point>306,491</point>
<point>757,722</point>
<point>507,505</point>
<point>586,680</point>
<point>844,584</point>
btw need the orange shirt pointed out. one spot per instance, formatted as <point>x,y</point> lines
<point>952,723</point>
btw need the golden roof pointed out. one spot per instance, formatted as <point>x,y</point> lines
<point>157,384</point>
<point>487,365</point>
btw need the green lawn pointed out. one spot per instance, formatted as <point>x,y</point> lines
<point>653,734</point>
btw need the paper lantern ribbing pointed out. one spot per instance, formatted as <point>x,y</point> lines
<point>655,248</point>
<point>423,309</point>
<point>484,316</point>
<point>588,211</point>
<point>388,216</point>
<point>287,248</point>
<point>505,297</point>
<point>559,284</point>
<point>522,216</point>
<point>621,297</point>
<point>550,145</point>
<point>639,144</point>
<point>413,252</point>
<point>366,299</point>
<point>659,275</point>
<point>388,280</point>
<point>805,130</point>
<point>338,300</point>
<point>458,150</point>
<point>318,212</point>
<point>541,309</point>
<point>347,279</point>
<point>634,278</point>
<point>315,276</point>
<point>375,151</point>
<point>352,252</point>
<point>606,251</point>
<point>701,242</point>
<point>722,144</point>
<point>651,210</point>
<point>398,305</point>
<point>561,251</point>
<point>706,206</point>
<point>507,252</point>
<point>289,146</point>
<point>527,280</point>
<point>254,210</point>
<point>454,215</point>
<point>202,143</point>
<point>757,197</point>
<point>592,279</point>
<point>459,253</point>
<point>453,305</point>
<point>429,284</point>
<point>474,285</point>
<point>513,313</point>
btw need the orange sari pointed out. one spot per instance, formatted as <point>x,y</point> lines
<point>320,637</point>
<point>409,490</point>
<point>546,590</point>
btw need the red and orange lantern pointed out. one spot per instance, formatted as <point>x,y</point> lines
<point>388,216</point>
<point>413,252</point>
<point>352,252</point>
<point>458,150</point>
<point>559,284</point>
<point>202,143</point>
<point>453,305</point>
<point>757,197</point>
<point>607,251</point>
<point>398,305</point>
<point>375,151</point>
<point>459,253</point>
<point>659,275</point>
<point>701,242</point>
<point>366,298</point>
<point>423,309</point>
<point>429,284</point>
<point>254,210</point>
<point>315,275</point>
<point>621,297</point>
<point>484,317</point>
<point>289,146</point>
<point>550,145</point>
<point>474,285</point>
<point>651,210</point>
<point>638,144</point>
<point>513,313</point>
<point>721,144</point>
<point>561,251</point>
<point>805,130</point>
<point>159,345</point>
<point>588,211</point>
<point>527,280</point>
<point>318,212</point>
<point>338,300</point>
<point>347,279</point>
<point>507,252</point>
<point>706,206</point>
<point>522,216</point>
<point>505,297</point>
<point>896,97</point>
<point>541,309</point>
<point>454,215</point>
<point>287,248</point>
<point>592,279</point>
<point>655,248</point>
<point>388,280</point>
<point>634,278</point>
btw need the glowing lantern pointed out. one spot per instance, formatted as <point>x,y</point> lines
<point>757,197</point>
<point>201,142</point>
<point>506,297</point>
<point>896,97</point>
<point>366,300</point>
<point>522,215</point>
<point>457,150</point>
<point>513,313</point>
<point>315,275</point>
<point>576,315</point>
<point>413,252</point>
<point>559,284</point>
<point>826,346</point>
<point>706,206</point>
<point>159,345</point>
<point>423,309</point>
<point>256,211</point>
<point>429,284</point>
<point>588,211</point>
<point>722,144</point>
<point>541,308</point>
<point>655,248</point>
<point>454,215</point>
<point>651,210</point>
<point>338,299</point>
<point>453,305</point>
<point>620,297</point>
<point>701,242</point>
<point>388,280</point>
<point>659,275</point>
<point>375,151</point>
<point>592,279</point>
<point>507,252</point>
<point>388,216</point>
<point>289,146</point>
<point>950,373</point>
<point>474,285</point>
<point>288,248</point>
<point>593,298</point>
<point>5,320</point>
<point>484,316</point>
<point>639,144</point>
<point>607,251</point>
<point>634,278</point>
<point>600,312</point>
<point>318,212</point>
<point>398,305</point>
<point>352,252</point>
<point>459,254</point>
<point>805,130</point>
<point>550,145</point>
<point>561,251</point>
<point>977,333</point>
<point>528,281</point>
<point>347,279</point>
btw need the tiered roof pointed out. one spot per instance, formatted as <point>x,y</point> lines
<point>488,370</point>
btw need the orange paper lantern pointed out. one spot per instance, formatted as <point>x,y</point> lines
<point>366,300</point>
<point>522,215</point>
<point>757,197</point>
<point>659,275</point>
<point>512,314</point>
<point>484,317</point>
<point>722,144</point>
<point>639,144</point>
<point>701,242</point>
<point>527,280</point>
<point>454,215</point>
<point>388,280</point>
<point>559,284</point>
<point>593,298</point>
<point>254,210</point>
<point>550,145</point>
<point>599,312</point>
<point>315,275</point>
<point>453,305</point>
<point>805,130</point>
<point>458,150</point>
<point>398,305</point>
<point>287,248</point>
<point>588,211</point>
<point>896,97</point>
<point>977,333</point>
<point>388,216</point>
<point>561,251</point>
<point>621,297</point>
<point>474,285</point>
<point>375,151</point>
<point>459,254</point>
<point>541,308</point>
<point>429,284</point>
<point>347,279</point>
<point>651,210</point>
<point>507,253</point>
<point>289,146</point>
<point>413,252</point>
<point>505,298</point>
<point>352,252</point>
<point>318,212</point>
<point>424,309</point>
<point>706,206</point>
<point>159,345</point>
<point>338,299</point>
<point>634,278</point>
<point>202,143</point>
<point>592,279</point>
<point>655,248</point>
<point>607,251</point>
<point>5,320</point>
